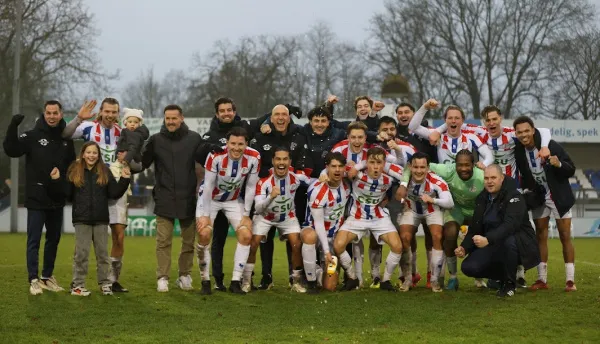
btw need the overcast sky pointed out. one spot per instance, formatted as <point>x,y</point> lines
<point>136,34</point>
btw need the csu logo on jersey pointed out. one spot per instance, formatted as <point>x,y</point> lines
<point>43,142</point>
<point>282,205</point>
<point>229,186</point>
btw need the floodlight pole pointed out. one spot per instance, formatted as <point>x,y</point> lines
<point>16,107</point>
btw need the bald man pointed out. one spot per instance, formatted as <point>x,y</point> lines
<point>501,235</point>
<point>286,134</point>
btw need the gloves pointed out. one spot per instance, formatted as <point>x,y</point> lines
<point>294,110</point>
<point>17,119</point>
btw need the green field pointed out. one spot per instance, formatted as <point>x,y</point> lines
<point>366,316</point>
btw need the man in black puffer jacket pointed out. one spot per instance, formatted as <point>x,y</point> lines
<point>174,152</point>
<point>44,149</point>
<point>500,236</point>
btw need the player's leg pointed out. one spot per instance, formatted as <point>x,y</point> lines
<point>392,239</point>
<point>358,254</point>
<point>375,251</point>
<point>340,241</point>
<point>309,257</point>
<point>296,245</point>
<point>267,249</point>
<point>407,230</point>
<point>233,211</point>
<point>452,221</point>
<point>203,253</point>
<point>219,237</point>
<point>541,220</point>
<point>415,275</point>
<point>118,223</point>
<point>53,222</point>
<point>564,231</point>
<point>186,256</point>
<point>437,256</point>
<point>428,250</point>
<point>260,227</point>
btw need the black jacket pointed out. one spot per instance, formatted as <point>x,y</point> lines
<point>218,130</point>
<point>420,144</point>
<point>513,219</point>
<point>557,177</point>
<point>319,145</point>
<point>174,156</point>
<point>44,149</point>
<point>90,202</point>
<point>133,142</point>
<point>293,140</point>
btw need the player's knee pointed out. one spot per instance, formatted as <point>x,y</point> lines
<point>244,236</point>
<point>309,236</point>
<point>396,247</point>
<point>204,236</point>
<point>469,269</point>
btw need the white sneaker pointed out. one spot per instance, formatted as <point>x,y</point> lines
<point>106,289</point>
<point>185,282</point>
<point>80,291</point>
<point>246,286</point>
<point>298,287</point>
<point>50,284</point>
<point>162,285</point>
<point>480,283</point>
<point>35,287</point>
<point>407,285</point>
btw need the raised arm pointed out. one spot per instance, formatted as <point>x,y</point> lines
<point>262,198</point>
<point>15,145</point>
<point>318,215</point>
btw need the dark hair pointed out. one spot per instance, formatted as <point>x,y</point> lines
<point>281,149</point>
<point>357,99</point>
<point>173,107</point>
<point>412,108</point>
<point>465,152</point>
<point>53,102</point>
<point>335,156</point>
<point>521,120</point>
<point>111,101</point>
<point>224,100</point>
<point>319,111</point>
<point>454,107</point>
<point>237,131</point>
<point>420,155</point>
<point>386,120</point>
<point>489,109</point>
<point>357,125</point>
<point>376,151</point>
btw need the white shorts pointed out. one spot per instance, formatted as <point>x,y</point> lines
<point>117,211</point>
<point>409,217</point>
<point>260,226</point>
<point>233,210</point>
<point>361,228</point>
<point>549,208</point>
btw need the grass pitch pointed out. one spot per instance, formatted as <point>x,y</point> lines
<point>365,316</point>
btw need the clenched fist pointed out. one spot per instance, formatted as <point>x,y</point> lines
<point>431,104</point>
<point>55,174</point>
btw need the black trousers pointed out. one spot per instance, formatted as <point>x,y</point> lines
<point>498,261</point>
<point>36,220</point>
<point>221,229</point>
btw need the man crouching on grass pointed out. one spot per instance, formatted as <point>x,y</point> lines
<point>501,235</point>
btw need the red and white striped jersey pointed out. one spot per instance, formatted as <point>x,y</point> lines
<point>367,193</point>
<point>406,151</point>
<point>332,201</point>
<point>106,138</point>
<point>344,148</point>
<point>433,186</point>
<point>536,165</point>
<point>231,174</point>
<point>450,146</point>
<point>281,207</point>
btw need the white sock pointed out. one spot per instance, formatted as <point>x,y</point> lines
<point>115,268</point>
<point>358,251</point>
<point>451,261</point>
<point>390,265</point>
<point>437,262</point>
<point>239,261</point>
<point>543,272</point>
<point>405,264</point>
<point>443,269</point>
<point>429,266</point>
<point>413,262</point>
<point>520,271</point>
<point>309,257</point>
<point>375,260</point>
<point>296,276</point>
<point>570,270</point>
<point>319,275</point>
<point>346,263</point>
<point>203,255</point>
<point>247,274</point>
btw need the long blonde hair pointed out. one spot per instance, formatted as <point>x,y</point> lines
<point>76,171</point>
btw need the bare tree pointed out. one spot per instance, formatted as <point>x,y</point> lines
<point>146,93</point>
<point>320,47</point>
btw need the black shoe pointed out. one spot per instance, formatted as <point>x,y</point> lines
<point>266,282</point>
<point>236,288</point>
<point>492,284</point>
<point>351,284</point>
<point>206,288</point>
<point>118,288</point>
<point>312,287</point>
<point>507,290</point>
<point>219,286</point>
<point>521,283</point>
<point>387,285</point>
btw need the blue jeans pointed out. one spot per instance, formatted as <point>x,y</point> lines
<point>36,219</point>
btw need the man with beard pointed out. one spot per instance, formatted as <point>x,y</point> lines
<point>46,153</point>
<point>106,132</point>
<point>285,134</point>
<point>404,114</point>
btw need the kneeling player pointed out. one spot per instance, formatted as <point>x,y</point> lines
<point>326,202</point>
<point>274,207</point>
<point>427,194</point>
<point>225,175</point>
<point>366,215</point>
